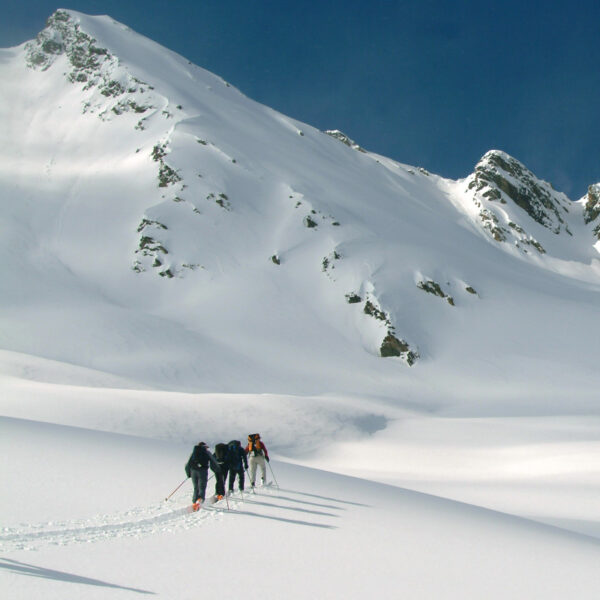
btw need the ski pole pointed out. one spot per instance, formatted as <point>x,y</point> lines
<point>274,478</point>
<point>176,488</point>
<point>250,480</point>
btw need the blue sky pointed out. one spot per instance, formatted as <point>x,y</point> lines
<point>433,83</point>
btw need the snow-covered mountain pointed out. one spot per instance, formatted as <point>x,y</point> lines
<point>180,262</point>
<point>161,227</point>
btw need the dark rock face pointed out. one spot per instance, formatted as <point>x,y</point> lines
<point>432,287</point>
<point>310,222</point>
<point>499,178</point>
<point>353,298</point>
<point>371,310</point>
<point>591,212</point>
<point>392,346</point>
<point>500,184</point>
<point>63,36</point>
<point>91,66</point>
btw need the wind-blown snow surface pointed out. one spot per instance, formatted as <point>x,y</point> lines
<point>317,535</point>
<point>181,263</point>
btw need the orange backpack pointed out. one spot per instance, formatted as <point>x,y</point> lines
<point>255,446</point>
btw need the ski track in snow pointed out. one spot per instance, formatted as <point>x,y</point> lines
<point>163,517</point>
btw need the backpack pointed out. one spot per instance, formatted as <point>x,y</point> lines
<point>199,457</point>
<point>220,453</point>
<point>255,445</point>
<point>234,455</point>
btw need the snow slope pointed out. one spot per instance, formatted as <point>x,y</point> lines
<point>319,534</point>
<point>182,263</point>
<point>149,160</point>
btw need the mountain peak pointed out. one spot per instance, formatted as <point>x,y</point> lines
<point>500,178</point>
<point>89,63</point>
<point>62,35</point>
<point>151,189</point>
<point>111,88</point>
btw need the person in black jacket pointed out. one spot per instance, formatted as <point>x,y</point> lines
<point>237,463</point>
<point>197,469</point>
<point>221,477</point>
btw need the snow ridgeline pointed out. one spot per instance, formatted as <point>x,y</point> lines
<point>253,213</point>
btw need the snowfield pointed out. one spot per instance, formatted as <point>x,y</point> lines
<point>181,263</point>
<point>96,525</point>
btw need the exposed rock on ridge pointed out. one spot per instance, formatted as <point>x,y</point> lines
<point>171,241</point>
<point>342,137</point>
<point>91,65</point>
<point>499,177</point>
<point>591,212</point>
<point>500,181</point>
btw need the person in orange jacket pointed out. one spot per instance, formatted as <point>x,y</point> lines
<point>257,455</point>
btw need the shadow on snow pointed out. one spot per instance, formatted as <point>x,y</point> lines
<point>22,568</point>
<point>294,508</point>
<point>282,519</point>
<point>324,498</point>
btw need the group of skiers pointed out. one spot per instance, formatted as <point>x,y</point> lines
<point>229,460</point>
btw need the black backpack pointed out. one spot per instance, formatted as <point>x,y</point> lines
<point>221,453</point>
<point>198,459</point>
<point>234,455</point>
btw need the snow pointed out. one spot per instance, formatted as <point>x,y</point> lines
<point>473,474</point>
<point>319,533</point>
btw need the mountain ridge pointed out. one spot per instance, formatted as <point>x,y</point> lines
<point>248,211</point>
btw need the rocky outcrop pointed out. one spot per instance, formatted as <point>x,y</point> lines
<point>62,35</point>
<point>500,183</point>
<point>391,345</point>
<point>500,178</point>
<point>591,211</point>
<point>342,137</point>
<point>90,65</point>
<point>432,287</point>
